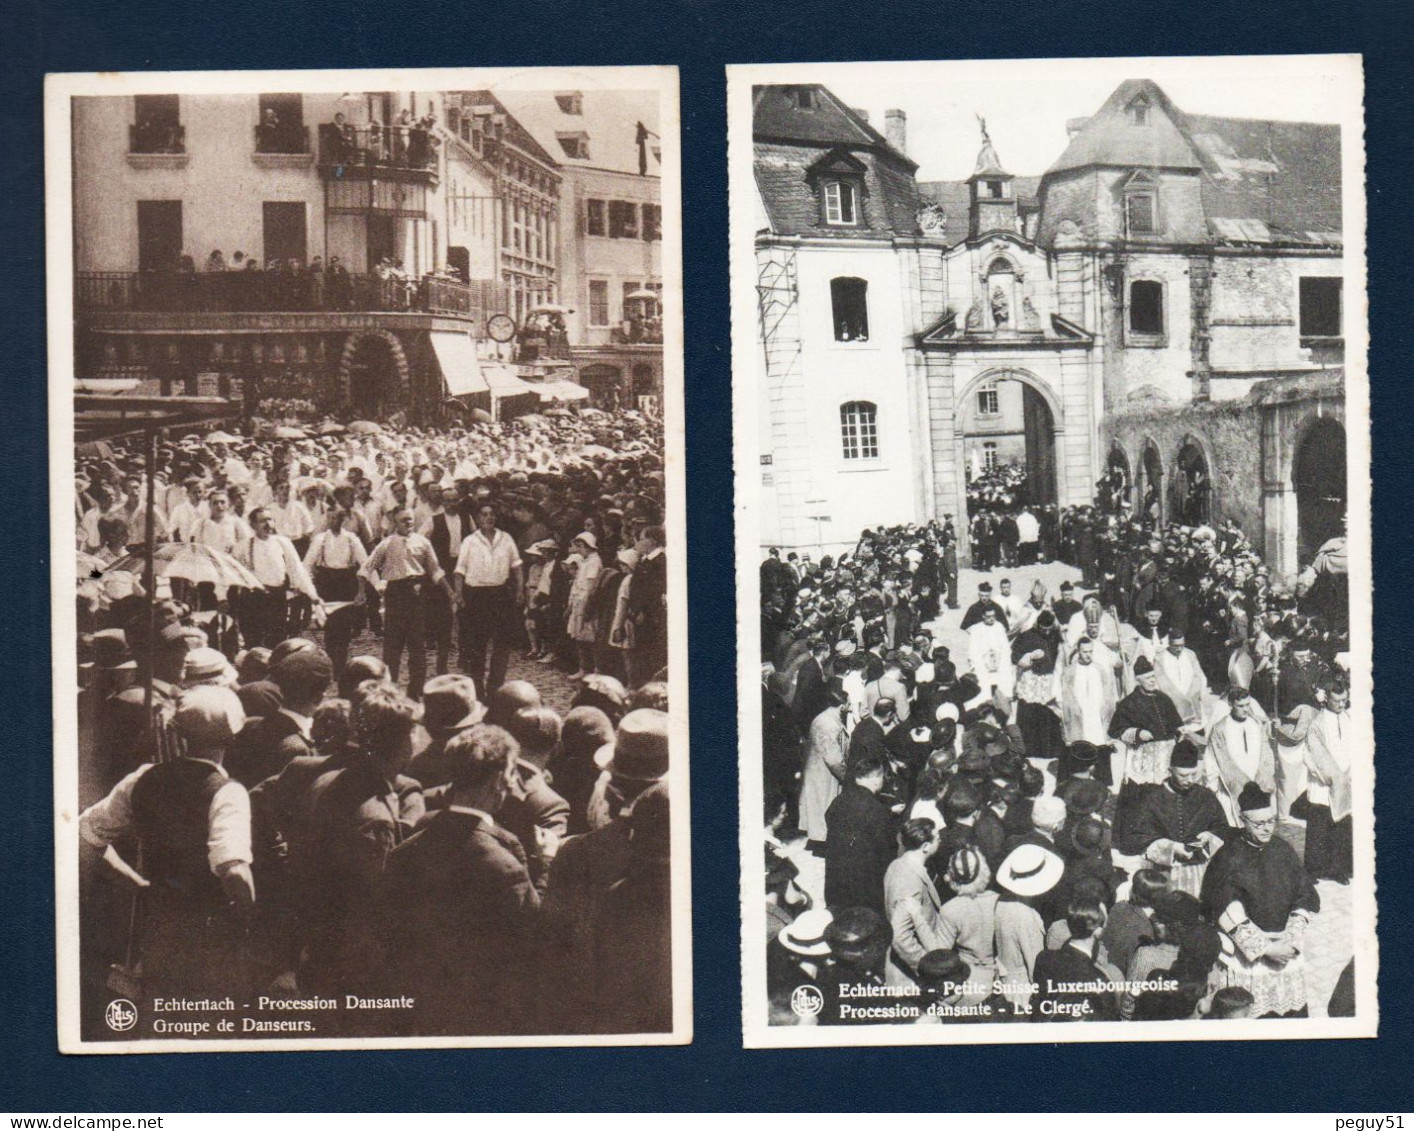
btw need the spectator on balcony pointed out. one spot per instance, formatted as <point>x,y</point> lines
<point>216,261</point>
<point>342,141</point>
<point>267,134</point>
<point>339,285</point>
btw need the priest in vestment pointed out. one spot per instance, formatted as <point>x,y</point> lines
<point>1329,841</point>
<point>1089,693</point>
<point>1239,752</point>
<point>1181,677</point>
<point>1260,896</point>
<point>1146,723</point>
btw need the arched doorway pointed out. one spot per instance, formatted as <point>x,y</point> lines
<point>605,384</point>
<point>1318,474</point>
<point>1008,444</point>
<point>1192,486</point>
<point>1150,488</point>
<point>374,375</point>
<point>1118,484</point>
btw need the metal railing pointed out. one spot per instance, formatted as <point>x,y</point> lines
<point>285,290</point>
<point>281,138</point>
<point>157,137</point>
<point>383,147</point>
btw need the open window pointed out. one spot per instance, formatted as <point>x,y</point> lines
<point>281,125</point>
<point>1320,307</point>
<point>859,430</point>
<point>157,125</point>
<point>1146,308</point>
<point>849,300</point>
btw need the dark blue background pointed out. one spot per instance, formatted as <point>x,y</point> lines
<point>714,1072</point>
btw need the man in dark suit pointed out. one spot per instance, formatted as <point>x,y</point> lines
<point>460,909</point>
<point>446,529</point>
<point>1075,962</point>
<point>646,608</point>
<point>812,694</point>
<point>869,740</point>
<point>1065,606</point>
<point>268,744</point>
<point>859,844</point>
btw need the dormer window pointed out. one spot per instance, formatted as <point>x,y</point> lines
<point>841,203</point>
<point>1141,205</point>
<point>570,102</point>
<point>1138,111</point>
<point>996,190</point>
<point>805,98</point>
<point>575,145</point>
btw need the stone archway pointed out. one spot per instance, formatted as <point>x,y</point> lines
<point>1318,476</point>
<point>1120,476</point>
<point>374,376</point>
<point>1149,487</point>
<point>1191,484</point>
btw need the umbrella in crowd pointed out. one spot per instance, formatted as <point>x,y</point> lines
<point>223,438</point>
<point>550,308</point>
<point>287,433</point>
<point>364,427</point>
<point>557,412</point>
<point>596,451</point>
<point>481,416</point>
<point>192,562</point>
<point>332,428</point>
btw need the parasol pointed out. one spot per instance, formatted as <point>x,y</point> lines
<point>550,308</point>
<point>597,451</point>
<point>332,429</point>
<point>557,412</point>
<point>532,418</point>
<point>640,294</point>
<point>365,427</point>
<point>191,562</point>
<point>222,438</point>
<point>284,432</point>
<point>481,416</point>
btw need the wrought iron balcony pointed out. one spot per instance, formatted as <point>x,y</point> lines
<point>364,151</point>
<point>285,290</point>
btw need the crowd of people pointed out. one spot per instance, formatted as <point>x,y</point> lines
<point>1089,815</point>
<point>268,812</point>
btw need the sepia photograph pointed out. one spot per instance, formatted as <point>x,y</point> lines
<point>1051,433</point>
<point>368,559</point>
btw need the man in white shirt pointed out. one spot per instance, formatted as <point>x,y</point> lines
<point>488,587</point>
<point>271,557</point>
<point>1028,536</point>
<point>1329,836</point>
<point>182,519</point>
<point>198,890</point>
<point>1089,693</point>
<point>291,517</point>
<point>990,653</point>
<point>400,567</point>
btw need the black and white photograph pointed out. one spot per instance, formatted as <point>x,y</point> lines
<point>368,559</point>
<point>1051,434</point>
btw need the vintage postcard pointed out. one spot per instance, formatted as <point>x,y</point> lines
<point>1053,550</point>
<point>369,559</point>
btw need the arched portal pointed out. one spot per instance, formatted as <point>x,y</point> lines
<point>374,372</point>
<point>1118,485</point>
<point>1192,486</point>
<point>1149,493</point>
<point>605,384</point>
<point>1318,474</point>
<point>1008,436</point>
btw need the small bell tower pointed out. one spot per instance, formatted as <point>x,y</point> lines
<point>993,206</point>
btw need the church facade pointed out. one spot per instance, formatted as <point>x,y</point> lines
<point>1164,300</point>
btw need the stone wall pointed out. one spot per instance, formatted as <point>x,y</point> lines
<point>1229,434</point>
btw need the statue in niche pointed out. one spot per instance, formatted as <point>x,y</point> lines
<point>974,314</point>
<point>1030,319</point>
<point>1001,307</point>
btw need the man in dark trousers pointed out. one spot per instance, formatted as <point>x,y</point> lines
<point>859,844</point>
<point>646,607</point>
<point>488,593</point>
<point>812,693</point>
<point>460,910</point>
<point>950,562</point>
<point>446,530</point>
<point>869,741</point>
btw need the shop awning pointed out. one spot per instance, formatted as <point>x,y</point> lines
<point>504,382</point>
<point>456,355</point>
<point>561,391</point>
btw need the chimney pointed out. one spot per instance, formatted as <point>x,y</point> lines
<point>1074,125</point>
<point>864,114</point>
<point>896,130</point>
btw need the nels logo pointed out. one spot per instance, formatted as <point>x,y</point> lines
<point>806,1001</point>
<point>121,1015</point>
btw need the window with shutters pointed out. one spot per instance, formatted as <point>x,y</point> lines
<point>598,302</point>
<point>623,220</point>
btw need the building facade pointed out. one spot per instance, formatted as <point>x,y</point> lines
<point>1165,299</point>
<point>606,146</point>
<point>330,252</point>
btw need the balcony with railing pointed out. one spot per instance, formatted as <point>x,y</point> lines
<point>396,152</point>
<point>289,291</point>
<point>157,144</point>
<point>281,138</point>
